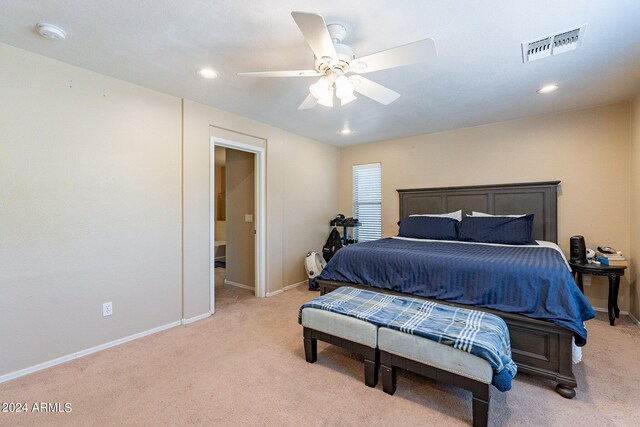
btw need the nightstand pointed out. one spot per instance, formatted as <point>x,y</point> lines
<point>613,272</point>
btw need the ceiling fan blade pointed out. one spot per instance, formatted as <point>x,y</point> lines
<point>407,54</point>
<point>373,90</point>
<point>314,30</point>
<point>291,73</point>
<point>309,102</point>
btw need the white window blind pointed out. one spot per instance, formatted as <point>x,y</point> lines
<point>367,198</point>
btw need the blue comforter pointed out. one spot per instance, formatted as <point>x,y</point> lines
<point>532,281</point>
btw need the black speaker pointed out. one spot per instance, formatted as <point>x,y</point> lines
<point>578,250</point>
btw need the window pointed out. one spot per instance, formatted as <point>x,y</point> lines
<point>367,197</point>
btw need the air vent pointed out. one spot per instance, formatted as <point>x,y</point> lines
<point>553,44</point>
<point>537,50</point>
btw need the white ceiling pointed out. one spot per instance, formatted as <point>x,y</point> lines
<point>478,77</point>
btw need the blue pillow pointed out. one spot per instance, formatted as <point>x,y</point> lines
<point>428,227</point>
<point>497,229</point>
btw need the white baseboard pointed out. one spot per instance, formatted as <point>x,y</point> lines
<point>626,313</point>
<point>86,352</point>
<point>604,310</point>
<point>239,285</point>
<point>196,318</point>
<point>286,288</point>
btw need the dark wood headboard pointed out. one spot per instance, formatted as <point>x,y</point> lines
<point>538,198</point>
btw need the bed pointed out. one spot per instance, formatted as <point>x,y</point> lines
<point>541,344</point>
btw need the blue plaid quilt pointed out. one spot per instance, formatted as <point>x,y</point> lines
<point>482,334</point>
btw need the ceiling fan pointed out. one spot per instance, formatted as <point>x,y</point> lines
<point>334,60</point>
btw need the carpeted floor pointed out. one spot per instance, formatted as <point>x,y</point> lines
<point>226,295</point>
<point>245,367</point>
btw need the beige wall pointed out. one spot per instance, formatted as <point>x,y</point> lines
<point>635,206</point>
<point>91,172</point>
<point>240,183</point>
<point>588,150</point>
<point>89,209</point>
<point>300,191</point>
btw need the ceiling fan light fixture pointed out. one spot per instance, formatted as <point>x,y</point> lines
<point>344,89</point>
<point>335,60</point>
<point>327,101</point>
<point>321,88</point>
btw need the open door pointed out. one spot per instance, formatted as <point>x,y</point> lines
<point>246,218</point>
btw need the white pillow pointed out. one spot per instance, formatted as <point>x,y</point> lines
<point>457,215</point>
<point>474,213</point>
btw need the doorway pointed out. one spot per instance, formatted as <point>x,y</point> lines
<point>237,216</point>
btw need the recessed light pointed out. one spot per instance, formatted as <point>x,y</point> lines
<point>51,32</point>
<point>207,73</point>
<point>548,89</point>
<point>345,131</point>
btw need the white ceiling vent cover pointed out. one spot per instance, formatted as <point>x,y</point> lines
<point>553,44</point>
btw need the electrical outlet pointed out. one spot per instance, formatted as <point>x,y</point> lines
<point>586,280</point>
<point>107,309</point>
<point>248,218</point>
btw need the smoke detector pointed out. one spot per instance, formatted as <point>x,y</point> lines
<point>554,44</point>
<point>51,32</point>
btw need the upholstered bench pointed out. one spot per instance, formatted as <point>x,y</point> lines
<point>437,361</point>
<point>347,332</point>
<point>467,348</point>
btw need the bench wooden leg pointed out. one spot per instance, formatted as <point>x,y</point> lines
<point>371,355</point>
<point>310,347</point>
<point>388,374</point>
<point>371,363</point>
<point>370,373</point>
<point>480,408</point>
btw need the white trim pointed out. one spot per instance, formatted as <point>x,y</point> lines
<point>86,352</point>
<point>295,285</point>
<point>196,318</point>
<point>274,293</point>
<point>622,312</point>
<point>367,165</point>
<point>286,288</point>
<point>212,225</point>
<point>604,310</point>
<point>260,289</point>
<point>239,285</point>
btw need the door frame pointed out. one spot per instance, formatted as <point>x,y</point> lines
<point>260,214</point>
